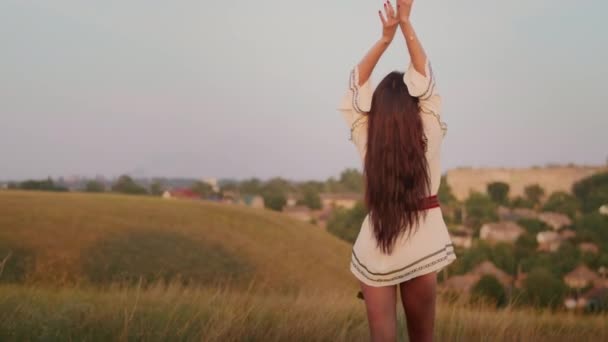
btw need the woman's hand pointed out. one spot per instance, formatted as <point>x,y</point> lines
<point>404,9</point>
<point>390,23</point>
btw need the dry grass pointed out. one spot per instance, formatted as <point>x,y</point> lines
<point>253,276</point>
<point>176,313</point>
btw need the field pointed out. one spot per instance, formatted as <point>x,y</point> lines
<point>106,267</point>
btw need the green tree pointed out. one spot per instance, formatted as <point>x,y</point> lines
<point>520,202</point>
<point>274,201</point>
<point>533,226</point>
<point>275,192</point>
<point>311,199</point>
<point>41,185</point>
<point>592,192</point>
<point>525,247</point>
<point>251,186</point>
<point>352,180</point>
<point>94,186</point>
<point>543,289</point>
<point>156,188</point>
<point>445,194</point>
<point>534,193</point>
<point>126,185</point>
<point>562,202</point>
<point>499,192</point>
<point>345,223</point>
<point>202,189</point>
<point>480,209</point>
<point>490,289</point>
<point>593,227</point>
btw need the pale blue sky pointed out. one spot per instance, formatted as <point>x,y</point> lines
<point>245,88</point>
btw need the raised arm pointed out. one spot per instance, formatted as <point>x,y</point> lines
<point>419,77</point>
<point>414,47</point>
<point>390,21</point>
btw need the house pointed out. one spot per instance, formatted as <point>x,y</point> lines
<point>589,247</point>
<point>604,209</point>
<point>292,200</point>
<point>567,234</point>
<point>253,201</point>
<point>213,183</point>
<point>508,214</point>
<point>594,299</point>
<point>300,212</point>
<point>465,283</point>
<point>341,200</point>
<point>501,232</point>
<point>581,277</point>
<point>182,193</point>
<point>548,241</point>
<point>555,220</point>
<point>462,237</point>
<point>488,268</point>
<point>229,196</point>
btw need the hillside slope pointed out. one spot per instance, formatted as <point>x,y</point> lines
<point>101,239</point>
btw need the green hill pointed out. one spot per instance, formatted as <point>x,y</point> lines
<point>71,238</point>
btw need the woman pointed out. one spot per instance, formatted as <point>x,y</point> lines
<point>397,129</point>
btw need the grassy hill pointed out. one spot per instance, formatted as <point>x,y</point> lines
<point>80,267</point>
<point>70,238</point>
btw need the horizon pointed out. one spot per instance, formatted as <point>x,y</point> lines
<point>152,88</point>
<point>67,176</point>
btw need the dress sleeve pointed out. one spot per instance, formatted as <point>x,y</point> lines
<point>355,105</point>
<point>425,89</point>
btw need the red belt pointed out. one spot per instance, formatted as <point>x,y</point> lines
<point>430,202</point>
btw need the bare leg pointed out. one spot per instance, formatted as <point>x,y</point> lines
<point>381,304</point>
<point>418,297</point>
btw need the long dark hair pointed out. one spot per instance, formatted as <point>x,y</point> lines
<point>396,169</point>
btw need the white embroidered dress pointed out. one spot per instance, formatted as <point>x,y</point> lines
<point>430,248</point>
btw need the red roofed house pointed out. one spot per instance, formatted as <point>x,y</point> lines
<point>181,194</point>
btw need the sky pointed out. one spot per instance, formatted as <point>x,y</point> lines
<point>242,88</point>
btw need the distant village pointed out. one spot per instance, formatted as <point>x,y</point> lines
<point>513,229</point>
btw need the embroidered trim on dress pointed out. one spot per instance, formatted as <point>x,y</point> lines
<point>425,266</point>
<point>442,125</point>
<point>354,87</point>
<point>444,249</point>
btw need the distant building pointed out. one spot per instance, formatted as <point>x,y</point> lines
<point>488,268</point>
<point>213,183</point>
<point>462,237</point>
<point>181,194</point>
<point>292,200</point>
<point>555,220</point>
<point>589,247</point>
<point>581,277</point>
<point>501,232</point>
<point>230,196</point>
<point>465,283</point>
<point>548,241</point>
<point>508,214</point>
<point>300,213</point>
<point>567,234</point>
<point>254,201</point>
<point>341,200</point>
